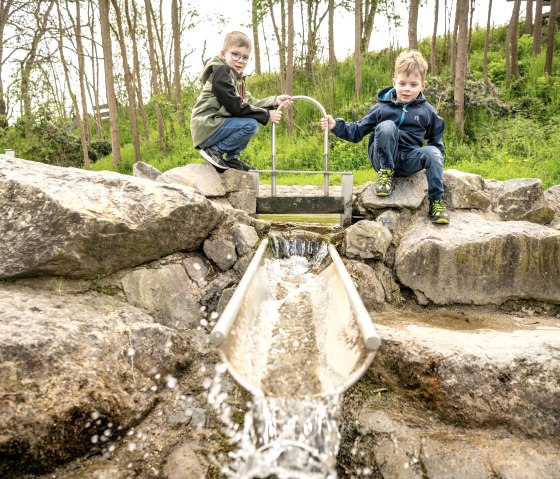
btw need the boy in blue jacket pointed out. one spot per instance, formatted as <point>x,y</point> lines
<point>400,122</point>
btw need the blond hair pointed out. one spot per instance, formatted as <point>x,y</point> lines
<point>236,39</point>
<point>411,62</point>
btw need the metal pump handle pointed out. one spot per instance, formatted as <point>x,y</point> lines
<point>325,147</point>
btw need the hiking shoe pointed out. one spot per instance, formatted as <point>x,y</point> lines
<point>438,212</point>
<point>215,158</point>
<point>384,183</point>
<point>235,163</point>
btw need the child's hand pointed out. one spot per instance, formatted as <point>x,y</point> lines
<point>275,116</point>
<point>327,123</point>
<point>284,100</point>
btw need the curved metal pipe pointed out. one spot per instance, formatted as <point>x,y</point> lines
<point>222,327</point>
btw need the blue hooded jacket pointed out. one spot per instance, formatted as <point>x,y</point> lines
<point>417,122</point>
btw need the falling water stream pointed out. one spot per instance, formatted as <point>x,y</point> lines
<point>290,429</point>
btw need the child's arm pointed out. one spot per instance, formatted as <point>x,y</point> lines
<point>434,134</point>
<point>352,131</point>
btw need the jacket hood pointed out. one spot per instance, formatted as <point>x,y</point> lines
<point>389,95</point>
<point>210,64</point>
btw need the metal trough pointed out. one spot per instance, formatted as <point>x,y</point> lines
<point>344,339</point>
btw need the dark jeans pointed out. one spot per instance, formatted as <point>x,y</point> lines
<point>384,153</point>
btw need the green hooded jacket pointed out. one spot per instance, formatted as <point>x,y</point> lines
<point>223,95</point>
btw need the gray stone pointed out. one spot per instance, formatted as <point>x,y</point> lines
<point>197,270</point>
<point>144,170</point>
<point>409,193</point>
<point>221,251</point>
<point>367,239</point>
<point>235,180</point>
<point>167,293</point>
<point>443,459</point>
<point>522,199</point>
<point>367,283</point>
<point>245,200</point>
<point>184,463</point>
<point>477,261</point>
<point>71,222</point>
<point>245,238</point>
<point>465,190</point>
<point>202,177</point>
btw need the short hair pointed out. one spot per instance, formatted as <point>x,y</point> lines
<point>411,62</point>
<point>236,39</point>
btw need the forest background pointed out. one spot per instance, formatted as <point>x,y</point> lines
<point>101,85</point>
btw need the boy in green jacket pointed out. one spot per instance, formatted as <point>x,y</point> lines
<point>225,116</point>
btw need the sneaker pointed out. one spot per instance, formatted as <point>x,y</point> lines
<point>215,158</point>
<point>235,163</point>
<point>438,212</point>
<point>384,183</point>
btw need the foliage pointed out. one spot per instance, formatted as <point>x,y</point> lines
<point>510,130</point>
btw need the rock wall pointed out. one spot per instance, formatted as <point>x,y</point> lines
<point>109,285</point>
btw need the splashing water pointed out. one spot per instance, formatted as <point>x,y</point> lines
<point>282,437</point>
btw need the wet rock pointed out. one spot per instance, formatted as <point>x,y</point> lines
<point>245,200</point>
<point>221,251</point>
<point>71,222</point>
<point>184,463</point>
<point>368,284</point>
<point>197,269</point>
<point>245,238</point>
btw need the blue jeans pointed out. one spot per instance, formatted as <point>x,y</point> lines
<point>233,136</point>
<point>384,153</point>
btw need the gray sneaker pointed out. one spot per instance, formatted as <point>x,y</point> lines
<point>215,158</point>
<point>237,164</point>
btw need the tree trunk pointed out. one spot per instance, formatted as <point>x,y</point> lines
<point>551,35</point>
<point>357,49</point>
<point>453,44</point>
<point>158,30</point>
<point>132,22</point>
<point>368,17</point>
<point>177,62</point>
<point>537,33</point>
<point>512,64</point>
<point>434,59</point>
<point>332,54</point>
<point>5,12</point>
<point>28,63</point>
<point>528,17</point>
<point>82,70</point>
<point>95,70</point>
<point>486,44</point>
<point>129,83</point>
<point>281,46</point>
<point>255,21</point>
<point>153,71</point>
<point>110,80</point>
<point>77,115</point>
<point>413,24</point>
<point>462,62</point>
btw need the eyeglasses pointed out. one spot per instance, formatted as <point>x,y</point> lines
<point>236,56</point>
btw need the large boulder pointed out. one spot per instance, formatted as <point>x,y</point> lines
<point>75,372</point>
<point>479,261</point>
<point>70,222</point>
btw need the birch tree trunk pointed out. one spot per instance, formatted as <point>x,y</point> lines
<point>81,69</point>
<point>368,17</point>
<point>110,80</point>
<point>461,62</point>
<point>512,64</point>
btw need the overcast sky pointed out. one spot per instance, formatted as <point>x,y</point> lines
<point>238,16</point>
